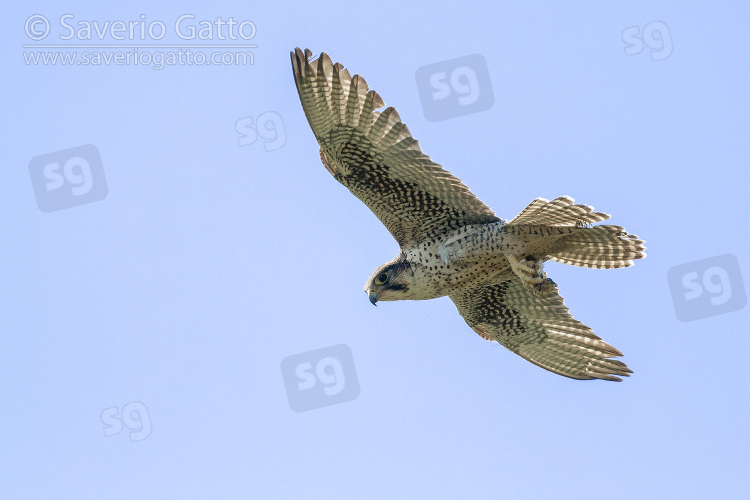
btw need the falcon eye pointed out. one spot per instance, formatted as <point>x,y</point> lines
<point>382,278</point>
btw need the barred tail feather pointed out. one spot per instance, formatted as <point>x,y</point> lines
<point>599,247</point>
<point>558,212</point>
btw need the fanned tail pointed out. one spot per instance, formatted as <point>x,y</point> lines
<point>598,247</point>
<point>558,212</point>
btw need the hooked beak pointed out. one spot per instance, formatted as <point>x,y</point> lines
<point>373,298</point>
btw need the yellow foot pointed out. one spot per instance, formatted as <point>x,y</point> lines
<point>532,274</point>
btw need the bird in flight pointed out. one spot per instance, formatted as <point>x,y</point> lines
<point>453,244</point>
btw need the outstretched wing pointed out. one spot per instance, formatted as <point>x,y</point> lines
<point>538,328</point>
<point>373,154</point>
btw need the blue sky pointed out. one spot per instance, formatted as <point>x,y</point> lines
<point>147,323</point>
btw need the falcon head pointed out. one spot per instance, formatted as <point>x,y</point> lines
<point>391,281</point>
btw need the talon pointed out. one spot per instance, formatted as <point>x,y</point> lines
<point>529,274</point>
<point>545,287</point>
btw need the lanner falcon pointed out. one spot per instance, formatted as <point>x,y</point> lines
<point>453,244</point>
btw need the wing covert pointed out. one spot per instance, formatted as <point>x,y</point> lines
<point>373,154</point>
<point>538,328</point>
